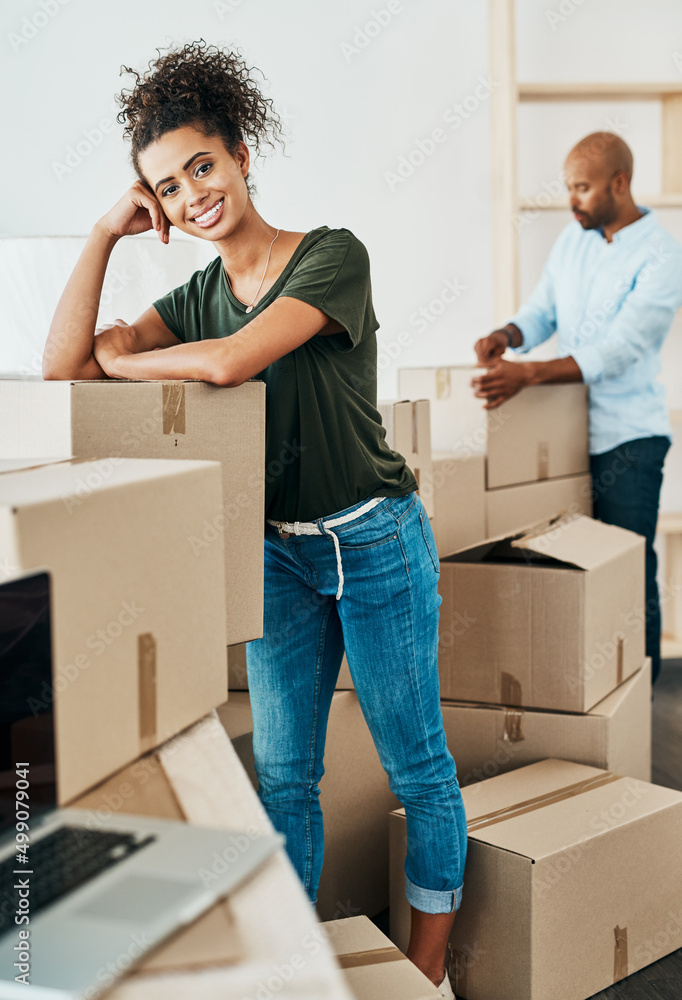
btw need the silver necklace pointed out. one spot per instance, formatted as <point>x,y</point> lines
<point>249,308</point>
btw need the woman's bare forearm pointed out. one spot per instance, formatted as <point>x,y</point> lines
<point>207,360</point>
<point>68,350</point>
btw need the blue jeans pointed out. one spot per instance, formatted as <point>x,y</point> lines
<point>626,486</point>
<point>387,619</point>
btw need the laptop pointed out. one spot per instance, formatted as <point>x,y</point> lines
<point>81,901</point>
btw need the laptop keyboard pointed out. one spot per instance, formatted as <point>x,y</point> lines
<point>63,861</point>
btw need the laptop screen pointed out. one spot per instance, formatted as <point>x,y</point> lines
<point>26,706</point>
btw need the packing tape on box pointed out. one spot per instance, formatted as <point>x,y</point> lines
<point>619,677</point>
<point>543,460</point>
<point>376,956</point>
<point>547,798</point>
<point>173,407</point>
<point>146,689</point>
<point>513,731</point>
<point>415,429</point>
<point>513,717</point>
<point>620,953</point>
<point>511,692</point>
<point>443,384</point>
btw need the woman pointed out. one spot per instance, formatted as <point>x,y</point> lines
<point>350,559</point>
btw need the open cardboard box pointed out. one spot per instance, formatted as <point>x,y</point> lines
<point>549,617</point>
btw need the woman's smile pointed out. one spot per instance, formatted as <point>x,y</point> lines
<point>211,216</point>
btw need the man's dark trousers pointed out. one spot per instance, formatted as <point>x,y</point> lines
<point>626,486</point>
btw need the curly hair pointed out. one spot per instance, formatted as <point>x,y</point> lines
<point>198,85</point>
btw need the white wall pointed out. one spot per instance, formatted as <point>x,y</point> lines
<point>353,105</point>
<point>350,116</point>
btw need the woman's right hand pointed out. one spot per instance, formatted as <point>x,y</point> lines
<point>136,212</point>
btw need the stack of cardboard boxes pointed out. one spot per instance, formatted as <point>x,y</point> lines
<point>542,639</point>
<point>546,703</point>
<point>157,566</point>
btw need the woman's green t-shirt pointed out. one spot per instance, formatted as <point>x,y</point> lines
<point>325,446</point>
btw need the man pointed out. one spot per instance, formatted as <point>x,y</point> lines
<point>610,289</point>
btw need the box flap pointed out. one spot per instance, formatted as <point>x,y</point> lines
<point>564,539</point>
<point>608,706</point>
<point>481,549</point>
<point>578,541</point>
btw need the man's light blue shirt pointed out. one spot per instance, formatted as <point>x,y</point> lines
<point>612,305</point>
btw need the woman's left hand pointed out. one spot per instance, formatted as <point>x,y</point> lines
<point>111,341</point>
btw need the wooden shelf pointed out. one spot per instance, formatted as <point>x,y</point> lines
<point>506,200</point>
<point>561,204</point>
<point>669,524</point>
<point>644,91</point>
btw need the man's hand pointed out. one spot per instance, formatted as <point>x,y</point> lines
<point>491,347</point>
<point>501,381</point>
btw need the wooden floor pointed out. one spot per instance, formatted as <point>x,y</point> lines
<point>663,979</point>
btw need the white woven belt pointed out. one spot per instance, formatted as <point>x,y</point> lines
<point>311,528</point>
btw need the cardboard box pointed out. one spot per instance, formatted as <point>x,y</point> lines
<point>374,968</point>
<point>573,881</point>
<point>552,617</point>
<point>487,740</point>
<point>355,800</point>
<point>266,929</point>
<point>408,431</point>
<point>138,618</point>
<point>540,433</point>
<point>178,419</point>
<point>514,507</point>
<point>458,488</point>
<point>237,679</point>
